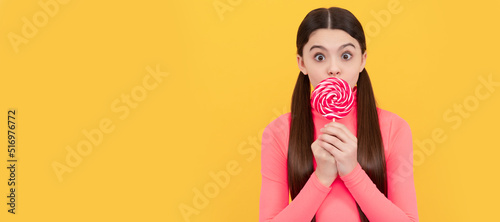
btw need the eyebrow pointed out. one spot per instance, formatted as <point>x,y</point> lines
<point>341,47</point>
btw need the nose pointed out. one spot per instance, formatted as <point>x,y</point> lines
<point>334,69</point>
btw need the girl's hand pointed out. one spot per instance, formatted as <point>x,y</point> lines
<point>326,166</point>
<point>344,146</point>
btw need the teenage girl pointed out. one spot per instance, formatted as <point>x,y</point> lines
<point>358,168</point>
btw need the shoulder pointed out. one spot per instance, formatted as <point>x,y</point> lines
<point>392,120</point>
<point>395,130</point>
<point>280,124</point>
<point>277,132</point>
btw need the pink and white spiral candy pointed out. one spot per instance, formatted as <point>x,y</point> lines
<point>333,98</point>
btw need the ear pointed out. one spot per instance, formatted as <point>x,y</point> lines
<point>300,62</point>
<point>363,61</point>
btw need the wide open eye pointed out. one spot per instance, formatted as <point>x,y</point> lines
<point>319,57</point>
<point>346,56</point>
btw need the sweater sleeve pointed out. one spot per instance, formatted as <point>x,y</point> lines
<point>401,203</point>
<point>274,195</point>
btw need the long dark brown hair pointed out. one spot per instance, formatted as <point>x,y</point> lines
<point>370,147</point>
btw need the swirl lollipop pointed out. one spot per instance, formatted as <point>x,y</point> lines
<point>332,98</point>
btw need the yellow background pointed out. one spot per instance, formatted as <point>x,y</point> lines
<point>229,74</point>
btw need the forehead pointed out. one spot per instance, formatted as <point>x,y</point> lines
<point>330,39</point>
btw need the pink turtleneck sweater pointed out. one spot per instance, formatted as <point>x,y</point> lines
<point>338,201</point>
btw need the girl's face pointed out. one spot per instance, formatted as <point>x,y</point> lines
<point>331,53</point>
